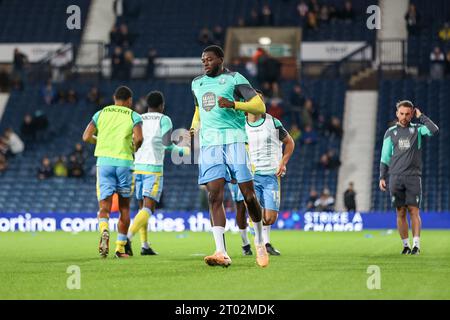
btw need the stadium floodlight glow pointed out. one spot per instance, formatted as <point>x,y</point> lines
<point>265,41</point>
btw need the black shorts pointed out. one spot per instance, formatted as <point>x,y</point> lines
<point>405,190</point>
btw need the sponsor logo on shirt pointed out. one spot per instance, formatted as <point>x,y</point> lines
<point>208,101</point>
<point>404,144</point>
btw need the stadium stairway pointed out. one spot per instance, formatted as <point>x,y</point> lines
<point>392,23</point>
<point>357,147</point>
<point>98,25</point>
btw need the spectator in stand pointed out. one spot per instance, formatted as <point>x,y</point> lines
<point>332,13</point>
<point>350,198</point>
<point>3,163</point>
<point>266,16</point>
<point>114,36</point>
<point>255,18</point>
<point>61,96</point>
<point>325,202</point>
<point>72,96</point>
<point>240,22</point>
<point>45,171</point>
<point>297,98</point>
<point>269,70</point>
<point>296,102</point>
<point>94,97</point>
<point>218,35</point>
<point>48,93</point>
<point>117,62</point>
<point>412,18</point>
<point>123,36</point>
<point>314,6</point>
<point>16,145</point>
<point>152,55</point>
<point>19,64</point>
<point>324,15</point>
<point>79,154</point>
<point>329,160</point>
<point>275,109</point>
<point>311,21</point>
<point>28,128</point>
<point>313,196</point>
<point>309,136</point>
<point>60,167</point>
<point>302,10</point>
<point>128,65</point>
<point>40,120</point>
<point>348,14</point>
<point>267,91</point>
<point>334,128</point>
<point>295,132</point>
<point>75,169</point>
<point>205,37</point>
<point>444,33</point>
<point>309,114</point>
<point>437,64</point>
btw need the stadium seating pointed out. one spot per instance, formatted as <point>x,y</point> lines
<point>20,190</point>
<point>182,27</point>
<point>39,21</point>
<point>431,97</point>
<point>432,19</point>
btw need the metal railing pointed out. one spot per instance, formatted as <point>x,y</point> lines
<point>355,61</point>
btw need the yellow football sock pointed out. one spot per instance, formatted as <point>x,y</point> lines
<point>103,224</point>
<point>140,220</point>
<point>143,233</point>
<point>121,242</point>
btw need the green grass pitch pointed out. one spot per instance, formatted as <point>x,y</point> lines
<point>312,266</point>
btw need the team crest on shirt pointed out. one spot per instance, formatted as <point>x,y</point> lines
<point>208,101</point>
<point>222,81</point>
<point>404,144</point>
<point>411,130</point>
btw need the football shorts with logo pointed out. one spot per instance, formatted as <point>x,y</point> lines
<point>405,190</point>
<point>149,185</point>
<point>267,188</point>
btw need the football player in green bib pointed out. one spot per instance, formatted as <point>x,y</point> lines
<point>117,132</point>
<point>221,99</point>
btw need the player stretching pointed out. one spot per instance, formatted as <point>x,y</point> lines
<point>148,166</point>
<point>114,130</point>
<point>223,153</point>
<point>401,156</point>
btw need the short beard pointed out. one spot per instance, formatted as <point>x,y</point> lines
<point>214,72</point>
